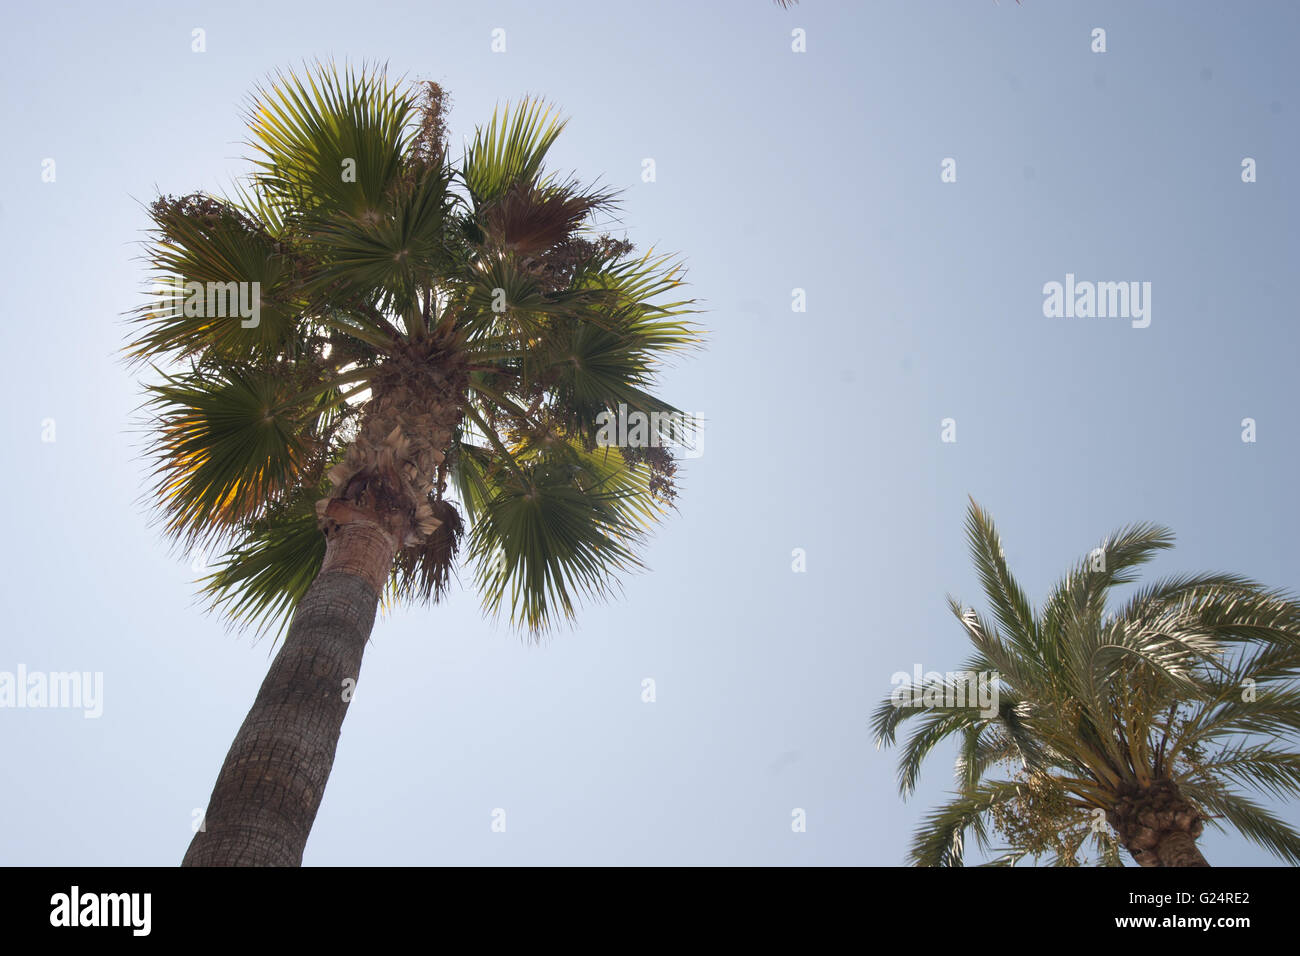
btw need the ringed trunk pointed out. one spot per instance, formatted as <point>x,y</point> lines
<point>271,784</point>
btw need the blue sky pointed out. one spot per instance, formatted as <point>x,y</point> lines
<point>775,171</point>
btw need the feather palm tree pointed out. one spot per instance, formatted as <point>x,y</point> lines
<point>435,347</point>
<point>1148,719</point>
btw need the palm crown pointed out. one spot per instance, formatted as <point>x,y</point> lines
<point>1150,717</point>
<point>433,338</point>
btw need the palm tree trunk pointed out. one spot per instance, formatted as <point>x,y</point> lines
<point>271,784</point>
<point>1158,825</point>
<point>1177,848</point>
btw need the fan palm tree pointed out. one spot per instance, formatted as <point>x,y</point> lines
<point>1151,717</point>
<point>425,379</point>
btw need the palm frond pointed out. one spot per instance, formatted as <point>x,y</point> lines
<point>227,447</point>
<point>1247,817</point>
<point>941,838</point>
<point>558,530</point>
<point>330,140</point>
<point>1011,608</point>
<point>510,149</point>
<point>261,579</point>
<point>209,260</point>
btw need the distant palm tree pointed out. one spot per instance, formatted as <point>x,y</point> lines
<point>433,340</point>
<point>1147,717</point>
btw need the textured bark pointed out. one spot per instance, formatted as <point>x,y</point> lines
<point>396,460</point>
<point>1158,825</point>
<point>1178,848</point>
<point>271,784</point>
<point>383,501</point>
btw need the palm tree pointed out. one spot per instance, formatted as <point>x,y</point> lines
<point>1149,718</point>
<point>436,351</point>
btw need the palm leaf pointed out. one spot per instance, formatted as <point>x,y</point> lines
<point>510,149</point>
<point>229,446</point>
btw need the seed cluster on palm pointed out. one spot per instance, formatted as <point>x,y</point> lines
<point>1130,727</point>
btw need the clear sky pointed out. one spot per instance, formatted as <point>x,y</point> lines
<point>775,171</point>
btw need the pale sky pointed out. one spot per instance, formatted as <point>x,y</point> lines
<point>775,171</point>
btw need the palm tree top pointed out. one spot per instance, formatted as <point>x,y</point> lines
<point>459,325</point>
<point>1183,692</point>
